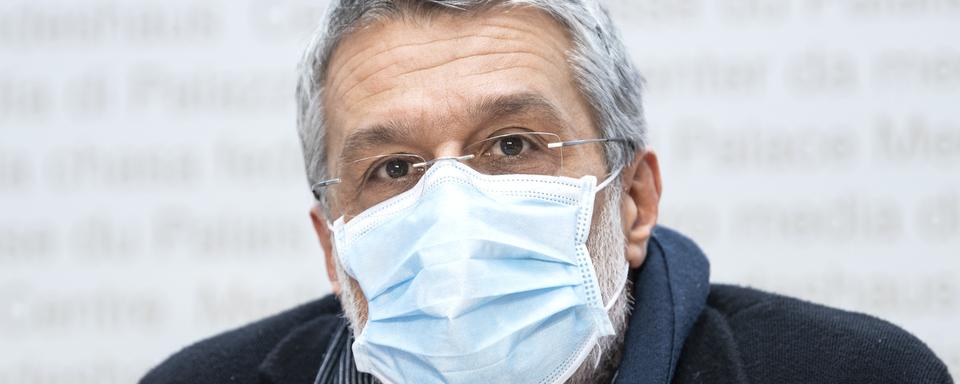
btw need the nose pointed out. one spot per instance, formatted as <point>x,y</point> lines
<point>449,149</point>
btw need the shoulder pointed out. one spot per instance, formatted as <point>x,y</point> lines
<point>779,339</point>
<point>237,356</point>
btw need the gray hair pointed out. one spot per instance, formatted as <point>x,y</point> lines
<point>603,71</point>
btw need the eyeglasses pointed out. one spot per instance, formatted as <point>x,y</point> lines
<point>363,183</point>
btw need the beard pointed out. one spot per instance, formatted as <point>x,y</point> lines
<point>606,244</point>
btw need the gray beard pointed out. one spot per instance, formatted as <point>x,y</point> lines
<point>606,245</point>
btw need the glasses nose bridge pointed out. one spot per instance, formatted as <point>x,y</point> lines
<point>462,159</point>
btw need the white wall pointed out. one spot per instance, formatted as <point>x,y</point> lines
<point>151,190</point>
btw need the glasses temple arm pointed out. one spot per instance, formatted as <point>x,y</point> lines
<point>323,184</point>
<point>561,144</point>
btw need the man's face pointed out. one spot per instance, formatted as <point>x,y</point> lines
<point>432,87</point>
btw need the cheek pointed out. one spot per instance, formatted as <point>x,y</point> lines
<point>605,223</point>
<point>598,207</point>
<point>360,303</point>
<point>359,299</point>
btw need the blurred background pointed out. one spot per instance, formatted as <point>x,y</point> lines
<point>152,192</point>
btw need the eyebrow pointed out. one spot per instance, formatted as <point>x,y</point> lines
<point>375,136</point>
<point>504,106</point>
<point>488,109</point>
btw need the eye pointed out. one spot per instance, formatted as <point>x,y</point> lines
<point>393,168</point>
<point>511,145</point>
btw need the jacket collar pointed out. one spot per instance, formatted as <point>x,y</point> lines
<point>670,291</point>
<point>297,356</point>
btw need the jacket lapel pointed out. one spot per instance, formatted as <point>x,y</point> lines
<point>710,353</point>
<point>296,358</point>
<point>670,292</point>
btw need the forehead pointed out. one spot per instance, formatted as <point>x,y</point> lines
<point>429,73</point>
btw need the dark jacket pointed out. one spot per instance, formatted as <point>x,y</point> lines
<point>682,330</point>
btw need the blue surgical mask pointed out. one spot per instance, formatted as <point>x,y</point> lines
<point>473,278</point>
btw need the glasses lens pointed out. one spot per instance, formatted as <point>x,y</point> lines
<point>517,153</point>
<point>369,181</point>
<point>372,180</point>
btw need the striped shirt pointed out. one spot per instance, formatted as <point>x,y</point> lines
<point>338,366</point>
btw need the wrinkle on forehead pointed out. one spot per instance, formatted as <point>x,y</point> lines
<point>361,57</point>
<point>354,56</point>
<point>391,65</point>
<point>519,28</point>
<point>396,68</point>
<point>373,91</point>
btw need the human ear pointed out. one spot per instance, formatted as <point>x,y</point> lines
<point>640,204</point>
<point>323,233</point>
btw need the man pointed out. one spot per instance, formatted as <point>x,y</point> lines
<point>487,206</point>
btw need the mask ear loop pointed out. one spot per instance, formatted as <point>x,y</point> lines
<point>609,179</point>
<point>626,268</point>
<point>619,291</point>
<point>626,265</point>
<point>613,300</point>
